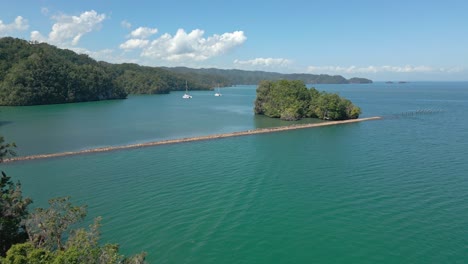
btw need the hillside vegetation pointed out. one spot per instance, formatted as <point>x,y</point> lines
<point>38,73</point>
<point>42,74</point>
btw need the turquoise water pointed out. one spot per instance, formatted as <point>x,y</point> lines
<point>388,191</point>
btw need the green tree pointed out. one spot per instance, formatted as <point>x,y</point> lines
<point>49,244</point>
<point>291,100</point>
<point>52,239</point>
<point>26,253</point>
<point>47,227</point>
<point>6,149</point>
<point>83,247</point>
<point>285,99</point>
<point>13,207</point>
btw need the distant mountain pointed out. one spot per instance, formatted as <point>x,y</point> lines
<point>254,77</point>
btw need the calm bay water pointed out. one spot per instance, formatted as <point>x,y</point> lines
<point>388,191</point>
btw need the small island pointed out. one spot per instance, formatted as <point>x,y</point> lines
<point>291,100</point>
<point>357,80</point>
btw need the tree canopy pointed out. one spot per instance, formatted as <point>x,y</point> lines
<point>52,241</point>
<point>291,100</point>
<point>33,73</point>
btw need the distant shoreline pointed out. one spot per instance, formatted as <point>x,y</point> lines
<point>190,139</point>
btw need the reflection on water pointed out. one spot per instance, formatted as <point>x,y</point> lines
<point>264,121</point>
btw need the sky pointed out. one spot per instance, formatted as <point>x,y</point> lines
<point>408,40</point>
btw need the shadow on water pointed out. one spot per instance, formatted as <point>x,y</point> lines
<point>3,123</point>
<point>416,113</point>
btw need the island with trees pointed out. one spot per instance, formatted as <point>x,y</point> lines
<point>292,100</point>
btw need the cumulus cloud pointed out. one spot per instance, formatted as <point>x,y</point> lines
<point>69,29</point>
<point>107,55</point>
<point>37,36</point>
<point>266,62</point>
<point>143,32</point>
<point>134,43</point>
<point>379,69</point>
<point>20,24</point>
<point>452,70</point>
<point>192,46</point>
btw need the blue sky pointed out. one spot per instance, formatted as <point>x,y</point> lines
<point>380,40</point>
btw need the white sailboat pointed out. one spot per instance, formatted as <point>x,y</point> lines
<point>186,95</point>
<point>218,93</point>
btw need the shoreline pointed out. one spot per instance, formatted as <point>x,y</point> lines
<point>190,139</point>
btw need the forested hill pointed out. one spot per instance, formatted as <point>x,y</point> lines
<point>254,77</point>
<point>39,73</point>
<point>42,74</point>
<point>34,73</point>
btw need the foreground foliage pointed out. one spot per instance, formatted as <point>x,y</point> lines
<point>13,211</point>
<point>45,235</point>
<point>291,100</point>
<point>6,149</point>
<point>47,230</point>
<point>13,207</point>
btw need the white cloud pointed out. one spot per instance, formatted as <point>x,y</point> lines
<point>192,46</point>
<point>143,32</point>
<point>20,24</point>
<point>69,29</point>
<point>107,55</point>
<point>266,62</point>
<point>125,24</point>
<point>37,36</point>
<point>379,69</point>
<point>134,43</point>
